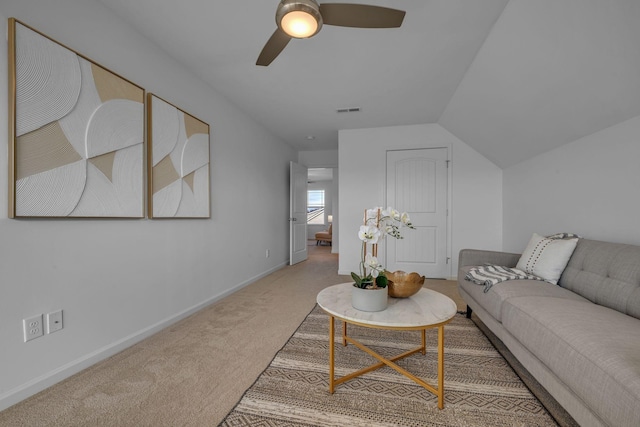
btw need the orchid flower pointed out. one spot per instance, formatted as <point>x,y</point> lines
<point>371,217</point>
<point>391,214</point>
<point>378,222</point>
<point>404,218</point>
<point>369,234</point>
<point>372,262</point>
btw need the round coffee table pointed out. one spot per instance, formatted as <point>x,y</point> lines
<point>424,310</point>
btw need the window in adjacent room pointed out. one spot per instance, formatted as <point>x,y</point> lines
<point>315,207</point>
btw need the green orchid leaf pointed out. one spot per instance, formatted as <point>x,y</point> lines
<point>356,279</point>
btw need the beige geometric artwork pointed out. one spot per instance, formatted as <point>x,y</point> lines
<point>77,133</point>
<point>178,162</point>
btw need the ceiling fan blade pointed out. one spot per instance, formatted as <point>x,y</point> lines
<point>360,15</point>
<point>276,43</point>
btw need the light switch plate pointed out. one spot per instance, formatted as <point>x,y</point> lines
<point>54,321</point>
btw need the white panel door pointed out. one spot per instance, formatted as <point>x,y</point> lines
<point>297,213</point>
<point>417,184</point>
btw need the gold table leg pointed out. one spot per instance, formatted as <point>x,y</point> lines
<point>331,353</point>
<point>439,392</point>
<point>344,333</point>
<point>441,366</point>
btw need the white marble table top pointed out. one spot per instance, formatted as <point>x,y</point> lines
<point>426,308</point>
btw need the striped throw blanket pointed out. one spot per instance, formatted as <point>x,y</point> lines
<point>488,275</point>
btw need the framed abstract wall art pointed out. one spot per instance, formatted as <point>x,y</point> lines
<point>178,162</point>
<point>76,133</point>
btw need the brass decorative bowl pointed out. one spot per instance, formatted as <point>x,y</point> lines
<point>403,285</point>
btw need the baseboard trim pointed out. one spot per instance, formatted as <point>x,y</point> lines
<point>51,378</point>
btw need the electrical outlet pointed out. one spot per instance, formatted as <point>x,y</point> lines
<point>54,321</point>
<point>32,328</point>
<point>268,253</point>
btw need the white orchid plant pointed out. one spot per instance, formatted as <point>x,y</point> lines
<point>378,223</point>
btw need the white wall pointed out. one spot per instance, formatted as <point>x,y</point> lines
<point>590,187</point>
<point>319,159</point>
<point>476,187</point>
<point>120,280</point>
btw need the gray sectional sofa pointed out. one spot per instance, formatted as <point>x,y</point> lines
<point>579,339</point>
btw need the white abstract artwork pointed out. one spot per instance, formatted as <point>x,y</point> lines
<point>78,134</point>
<point>178,162</point>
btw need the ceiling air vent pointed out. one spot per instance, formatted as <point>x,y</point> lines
<point>348,110</point>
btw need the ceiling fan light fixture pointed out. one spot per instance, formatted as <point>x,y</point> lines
<point>299,24</point>
<point>299,18</point>
<point>304,18</point>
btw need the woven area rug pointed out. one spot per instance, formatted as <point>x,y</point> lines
<point>480,387</point>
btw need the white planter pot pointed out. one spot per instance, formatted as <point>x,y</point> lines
<point>369,299</point>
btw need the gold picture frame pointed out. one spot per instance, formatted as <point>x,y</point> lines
<point>178,156</point>
<point>76,133</point>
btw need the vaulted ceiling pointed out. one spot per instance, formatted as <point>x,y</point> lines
<point>511,78</point>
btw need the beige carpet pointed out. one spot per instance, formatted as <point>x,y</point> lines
<point>480,388</point>
<point>194,372</point>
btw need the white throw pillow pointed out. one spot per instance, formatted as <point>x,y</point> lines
<point>546,258</point>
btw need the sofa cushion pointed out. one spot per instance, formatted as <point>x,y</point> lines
<point>492,300</point>
<point>594,350</point>
<point>605,273</point>
<point>546,257</point>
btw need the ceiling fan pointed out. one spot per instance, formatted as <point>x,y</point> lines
<point>304,18</point>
